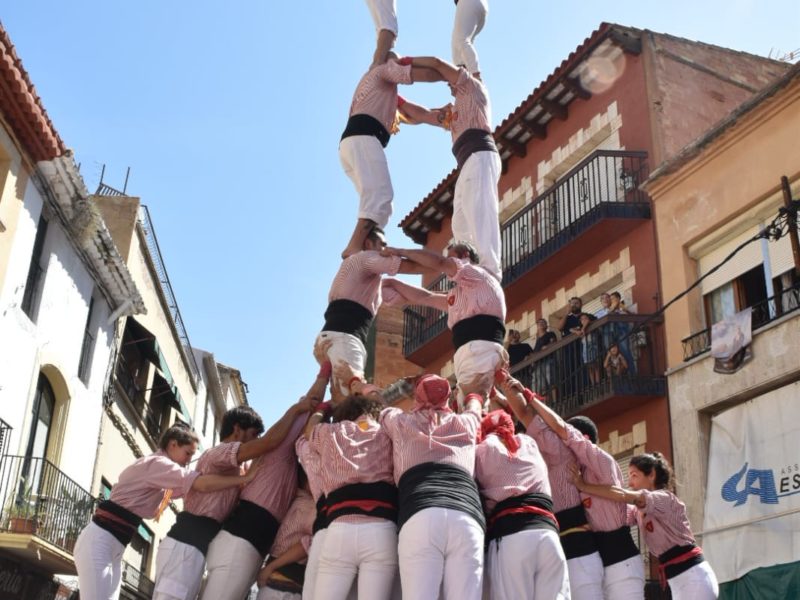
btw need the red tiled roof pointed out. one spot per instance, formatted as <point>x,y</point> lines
<point>22,108</point>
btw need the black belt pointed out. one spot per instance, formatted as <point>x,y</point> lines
<point>346,316</point>
<point>195,530</point>
<point>253,523</point>
<point>117,520</point>
<point>377,499</point>
<point>366,125</point>
<point>615,546</point>
<point>470,142</point>
<point>576,537</point>
<point>479,327</point>
<point>321,521</point>
<point>694,556</point>
<point>521,513</point>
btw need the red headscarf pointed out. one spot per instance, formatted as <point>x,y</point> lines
<point>499,422</point>
<point>432,392</point>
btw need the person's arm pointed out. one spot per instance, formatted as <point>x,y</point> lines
<point>314,419</point>
<point>562,322</point>
<point>413,294</point>
<point>607,362</point>
<point>514,393</point>
<point>215,483</point>
<point>424,74</point>
<point>609,492</point>
<point>415,114</point>
<point>294,554</point>
<point>549,416</point>
<point>426,258</point>
<point>447,71</point>
<point>276,434</point>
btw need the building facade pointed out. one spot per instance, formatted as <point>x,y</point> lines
<point>735,434</point>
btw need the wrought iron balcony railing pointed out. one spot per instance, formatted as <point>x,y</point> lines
<point>572,373</point>
<point>423,323</point>
<point>5,437</point>
<point>604,185</point>
<point>39,499</point>
<point>766,311</point>
<point>136,581</point>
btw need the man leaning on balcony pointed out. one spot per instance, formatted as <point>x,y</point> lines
<point>475,306</point>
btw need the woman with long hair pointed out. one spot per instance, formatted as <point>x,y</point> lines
<point>662,519</point>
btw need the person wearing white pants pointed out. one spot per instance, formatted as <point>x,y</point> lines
<point>98,560</point>
<point>384,15</point>
<point>469,21</point>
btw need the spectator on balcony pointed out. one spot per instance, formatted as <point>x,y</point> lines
<point>373,118</point>
<point>617,306</point>
<point>590,347</point>
<point>605,305</point>
<point>615,364</point>
<point>475,199</point>
<point>577,541</point>
<point>283,576</point>
<point>517,351</point>
<point>353,302</point>
<point>622,331</point>
<point>476,312</point>
<point>544,368</point>
<point>143,491</point>
<point>571,320</point>
<point>238,550</point>
<point>512,476</point>
<point>661,518</point>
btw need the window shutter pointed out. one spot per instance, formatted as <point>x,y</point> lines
<point>747,258</point>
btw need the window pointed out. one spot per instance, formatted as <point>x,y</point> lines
<point>748,289</point>
<point>33,285</point>
<point>87,347</point>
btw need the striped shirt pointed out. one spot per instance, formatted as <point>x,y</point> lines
<point>558,459</point>
<point>353,452</point>
<point>501,476</point>
<point>431,436</point>
<point>141,486</point>
<point>219,460</point>
<point>477,292</point>
<point>312,465</point>
<point>376,93</point>
<point>296,525</point>
<point>275,481</point>
<point>663,521</point>
<point>359,278</point>
<point>598,466</point>
<point>471,107</point>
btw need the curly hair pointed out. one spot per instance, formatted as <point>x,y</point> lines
<point>356,406</point>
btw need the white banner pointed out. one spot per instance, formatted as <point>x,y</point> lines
<point>752,512</point>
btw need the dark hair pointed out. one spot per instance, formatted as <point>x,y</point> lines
<point>352,407</point>
<point>647,462</point>
<point>465,250</point>
<point>590,316</point>
<point>374,233</point>
<point>181,433</point>
<point>302,478</point>
<point>616,294</point>
<point>576,298</point>
<point>586,426</point>
<point>243,416</point>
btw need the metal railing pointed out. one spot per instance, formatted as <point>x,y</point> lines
<point>764,312</point>
<point>572,372</point>
<point>136,581</point>
<point>152,419</point>
<point>166,287</point>
<point>5,437</point>
<point>423,323</point>
<point>39,499</point>
<point>604,185</point>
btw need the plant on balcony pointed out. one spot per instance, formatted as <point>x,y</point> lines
<point>78,507</point>
<point>20,511</point>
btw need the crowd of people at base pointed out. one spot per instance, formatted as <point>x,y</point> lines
<point>477,491</point>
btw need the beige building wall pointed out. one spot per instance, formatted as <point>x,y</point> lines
<point>14,175</point>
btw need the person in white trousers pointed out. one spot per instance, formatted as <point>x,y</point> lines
<point>469,21</point>
<point>384,15</point>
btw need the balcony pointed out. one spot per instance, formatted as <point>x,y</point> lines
<point>764,312</point>
<point>43,512</point>
<point>135,584</point>
<point>423,324</point>
<point>570,373</point>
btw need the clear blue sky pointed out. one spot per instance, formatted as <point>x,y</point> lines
<point>229,115</point>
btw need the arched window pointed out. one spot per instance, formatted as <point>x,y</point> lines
<point>41,419</point>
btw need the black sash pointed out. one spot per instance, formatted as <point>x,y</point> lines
<point>504,521</point>
<point>253,523</point>
<point>117,520</point>
<point>366,125</point>
<point>372,499</point>
<point>575,543</point>
<point>439,485</point>
<point>321,522</point>
<point>195,530</point>
<point>672,570</point>
<point>615,546</point>
<point>470,142</point>
<point>350,317</point>
<point>479,327</point>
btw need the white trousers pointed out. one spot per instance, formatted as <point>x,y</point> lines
<point>624,580</point>
<point>476,207</point>
<point>528,565</point>
<point>470,18</point>
<point>232,564</point>
<point>698,583</point>
<point>477,361</point>
<point>98,559</point>
<point>441,548</point>
<point>366,551</point>
<point>179,571</point>
<point>586,577</point>
<point>266,593</point>
<point>348,348</point>
<point>364,162</point>
<point>384,14</point>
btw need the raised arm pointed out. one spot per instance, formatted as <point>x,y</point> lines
<point>276,434</point>
<point>415,114</point>
<point>420,74</point>
<point>549,416</point>
<point>412,294</point>
<point>426,258</point>
<point>214,483</point>
<point>294,554</point>
<point>514,392</point>
<point>609,492</point>
<point>447,71</point>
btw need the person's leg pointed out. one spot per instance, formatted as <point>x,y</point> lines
<point>551,579</point>
<point>586,577</point>
<point>475,364</point>
<point>469,20</point>
<point>345,348</point>
<point>377,551</point>
<point>384,15</point>
<point>421,554</point>
<point>698,583</point>
<point>338,563</point>
<point>179,571</point>
<point>232,564</point>
<point>624,580</point>
<point>463,562</point>
<point>312,564</point>
<point>98,556</point>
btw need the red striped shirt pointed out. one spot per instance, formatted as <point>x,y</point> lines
<point>471,107</point>
<point>476,292</point>
<point>376,93</point>
<point>296,525</point>
<point>558,459</point>
<point>501,476</point>
<point>359,278</point>
<point>219,460</point>
<point>664,522</point>
<point>311,464</point>
<point>430,436</point>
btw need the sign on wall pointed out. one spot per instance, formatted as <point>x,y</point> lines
<point>752,509</point>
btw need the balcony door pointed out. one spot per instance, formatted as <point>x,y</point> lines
<point>41,419</point>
